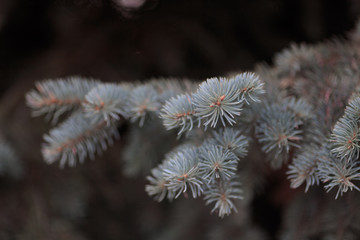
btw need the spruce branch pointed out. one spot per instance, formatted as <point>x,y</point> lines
<point>303,168</point>
<point>295,58</point>
<point>55,97</point>
<point>249,86</point>
<point>223,194</point>
<point>181,171</point>
<point>106,102</point>
<point>178,113</point>
<point>352,111</point>
<point>157,187</point>
<point>277,130</point>
<point>346,139</point>
<point>302,110</point>
<point>231,139</point>
<point>334,172</point>
<point>217,98</point>
<point>217,163</point>
<point>346,134</point>
<point>76,139</point>
<point>306,92</point>
<point>143,100</point>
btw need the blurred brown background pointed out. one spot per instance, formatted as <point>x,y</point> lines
<point>108,40</point>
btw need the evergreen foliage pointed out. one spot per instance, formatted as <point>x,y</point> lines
<point>217,163</point>
<point>179,112</point>
<point>54,98</point>
<point>278,131</point>
<point>303,168</point>
<point>181,172</point>
<point>233,140</point>
<point>142,101</point>
<point>217,98</point>
<point>76,139</point>
<point>105,102</point>
<point>304,112</point>
<point>223,195</point>
<point>345,137</point>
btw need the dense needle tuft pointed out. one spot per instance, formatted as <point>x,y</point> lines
<point>346,139</point>
<point>142,101</point>
<point>352,111</point>
<point>303,169</point>
<point>106,102</point>
<point>178,113</point>
<point>77,138</point>
<point>233,140</point>
<point>216,99</point>
<point>223,195</point>
<point>346,133</point>
<point>181,171</point>
<point>278,130</point>
<point>249,86</point>
<point>334,172</point>
<point>157,187</point>
<point>55,97</point>
<point>217,163</point>
<point>299,107</point>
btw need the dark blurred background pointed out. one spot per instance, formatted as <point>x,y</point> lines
<point>138,39</point>
<point>126,40</point>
